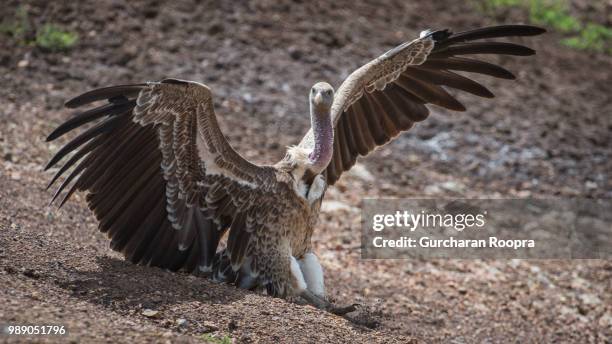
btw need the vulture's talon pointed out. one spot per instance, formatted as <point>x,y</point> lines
<point>324,304</point>
<point>342,310</point>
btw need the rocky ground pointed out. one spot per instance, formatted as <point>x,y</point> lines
<point>546,134</point>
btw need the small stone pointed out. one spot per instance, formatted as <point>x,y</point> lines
<point>523,193</point>
<point>15,175</point>
<point>295,53</point>
<point>361,172</point>
<point>232,325</point>
<point>247,97</point>
<point>590,299</point>
<point>453,186</point>
<point>413,158</point>
<point>481,307</point>
<point>210,327</point>
<point>432,189</point>
<point>31,273</point>
<point>181,322</point>
<point>332,206</point>
<point>564,310</point>
<point>150,12</point>
<point>149,313</point>
<point>579,283</point>
<point>606,320</point>
<point>23,63</point>
<point>215,28</point>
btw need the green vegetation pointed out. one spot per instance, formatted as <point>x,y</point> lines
<point>52,38</point>
<point>592,37</point>
<point>48,36</point>
<point>209,338</point>
<point>555,14</point>
<point>491,6</point>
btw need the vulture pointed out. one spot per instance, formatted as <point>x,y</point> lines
<point>170,191</point>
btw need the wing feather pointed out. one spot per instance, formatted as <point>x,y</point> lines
<point>374,126</point>
<point>484,48</point>
<point>494,32</point>
<point>104,93</point>
<point>428,92</point>
<point>360,132</point>
<point>386,118</point>
<point>450,79</point>
<point>464,64</point>
<point>341,136</point>
<point>337,157</point>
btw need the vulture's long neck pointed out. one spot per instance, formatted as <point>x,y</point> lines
<point>323,130</point>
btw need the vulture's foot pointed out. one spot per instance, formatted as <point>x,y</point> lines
<point>342,310</point>
<point>325,305</point>
<point>316,189</point>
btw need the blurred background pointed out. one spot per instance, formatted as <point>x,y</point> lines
<point>546,134</point>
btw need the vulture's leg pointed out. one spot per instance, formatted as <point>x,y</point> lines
<point>317,188</point>
<point>313,274</point>
<point>309,295</point>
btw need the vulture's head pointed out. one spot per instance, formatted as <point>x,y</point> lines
<point>321,97</point>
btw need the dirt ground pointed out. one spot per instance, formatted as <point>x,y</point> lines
<point>547,134</point>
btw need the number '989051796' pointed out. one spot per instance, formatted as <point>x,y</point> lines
<point>33,330</point>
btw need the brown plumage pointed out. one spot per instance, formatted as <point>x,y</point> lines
<point>166,186</point>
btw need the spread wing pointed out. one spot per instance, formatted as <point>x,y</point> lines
<point>389,94</point>
<point>163,181</point>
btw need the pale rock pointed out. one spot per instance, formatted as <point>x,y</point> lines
<point>210,327</point>
<point>606,320</point>
<point>15,175</point>
<point>481,307</point>
<point>361,172</point>
<point>247,97</point>
<point>589,299</point>
<point>149,313</point>
<point>579,283</point>
<point>453,186</point>
<point>432,189</point>
<point>333,206</point>
<point>565,310</point>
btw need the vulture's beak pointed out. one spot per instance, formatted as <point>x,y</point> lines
<point>318,99</point>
